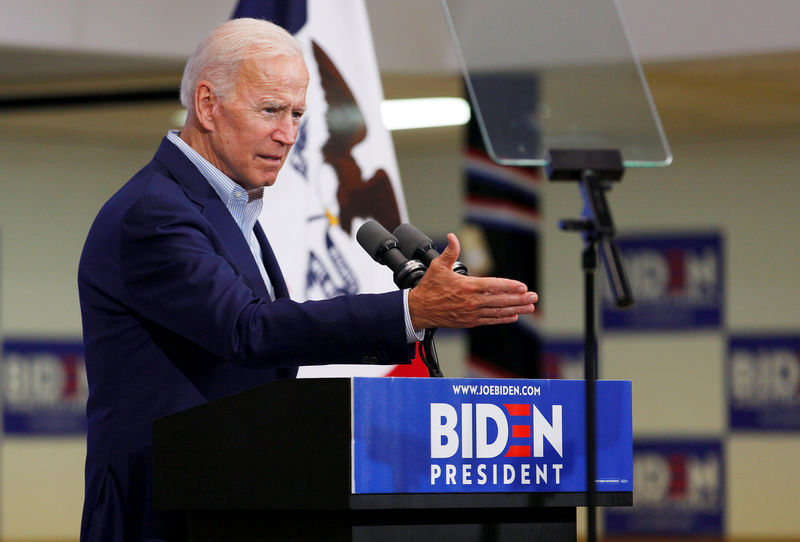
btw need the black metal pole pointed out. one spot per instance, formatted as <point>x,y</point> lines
<point>594,169</point>
<point>590,381</point>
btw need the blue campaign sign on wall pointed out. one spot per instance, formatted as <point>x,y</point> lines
<point>44,387</point>
<point>563,358</point>
<point>484,435</point>
<point>680,490</point>
<point>763,377</point>
<point>677,282</point>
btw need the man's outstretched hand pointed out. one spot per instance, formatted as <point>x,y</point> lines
<point>444,298</point>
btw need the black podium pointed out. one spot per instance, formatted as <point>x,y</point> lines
<point>275,463</point>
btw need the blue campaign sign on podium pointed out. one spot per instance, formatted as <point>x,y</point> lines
<point>439,435</point>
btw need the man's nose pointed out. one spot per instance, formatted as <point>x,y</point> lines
<point>286,131</point>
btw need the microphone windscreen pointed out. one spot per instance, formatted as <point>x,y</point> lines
<point>373,238</point>
<point>411,239</point>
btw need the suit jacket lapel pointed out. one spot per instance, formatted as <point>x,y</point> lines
<point>201,192</point>
<point>271,264</point>
<point>219,215</point>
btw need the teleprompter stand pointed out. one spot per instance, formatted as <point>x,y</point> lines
<point>594,170</point>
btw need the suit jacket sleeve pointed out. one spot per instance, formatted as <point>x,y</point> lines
<point>177,273</point>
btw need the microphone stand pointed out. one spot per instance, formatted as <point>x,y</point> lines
<point>427,353</point>
<point>594,170</point>
<point>427,348</point>
<point>408,270</point>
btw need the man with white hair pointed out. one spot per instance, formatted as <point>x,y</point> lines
<point>181,296</point>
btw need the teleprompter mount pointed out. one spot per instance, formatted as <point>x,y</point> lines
<point>595,170</point>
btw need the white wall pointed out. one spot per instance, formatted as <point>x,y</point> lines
<point>746,186</point>
<point>50,194</point>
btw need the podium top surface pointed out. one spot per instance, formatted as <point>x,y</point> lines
<point>555,74</point>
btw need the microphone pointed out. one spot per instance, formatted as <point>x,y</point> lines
<point>417,245</point>
<point>383,247</point>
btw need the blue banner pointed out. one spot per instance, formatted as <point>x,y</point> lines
<point>486,435</point>
<point>563,358</point>
<point>763,376</point>
<point>676,280</point>
<point>680,490</point>
<point>44,388</point>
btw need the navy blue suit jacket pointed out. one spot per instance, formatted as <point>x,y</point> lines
<point>175,313</point>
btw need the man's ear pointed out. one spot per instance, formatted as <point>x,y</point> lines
<point>206,105</point>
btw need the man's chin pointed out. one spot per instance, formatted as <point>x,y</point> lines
<point>261,182</point>
<point>269,182</point>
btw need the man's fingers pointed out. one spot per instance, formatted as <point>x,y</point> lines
<point>503,312</point>
<point>493,301</point>
<point>495,321</point>
<point>510,294</point>
<point>493,285</point>
<point>503,315</point>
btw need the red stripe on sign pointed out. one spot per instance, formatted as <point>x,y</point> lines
<point>521,431</point>
<point>519,451</point>
<point>518,410</point>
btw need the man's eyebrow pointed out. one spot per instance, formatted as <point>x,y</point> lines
<point>279,105</point>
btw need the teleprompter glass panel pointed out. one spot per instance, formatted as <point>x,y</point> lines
<point>555,74</point>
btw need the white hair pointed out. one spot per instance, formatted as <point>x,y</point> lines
<point>218,57</point>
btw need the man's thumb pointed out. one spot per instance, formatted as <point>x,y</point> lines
<point>451,252</point>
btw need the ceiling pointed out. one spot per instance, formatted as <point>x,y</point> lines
<point>700,96</point>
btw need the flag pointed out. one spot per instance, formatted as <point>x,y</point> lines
<point>342,169</point>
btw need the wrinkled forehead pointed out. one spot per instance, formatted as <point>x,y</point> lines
<point>286,71</point>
